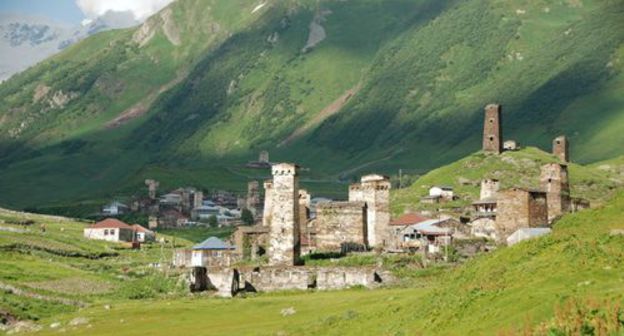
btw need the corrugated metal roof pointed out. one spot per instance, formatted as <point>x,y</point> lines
<point>213,243</point>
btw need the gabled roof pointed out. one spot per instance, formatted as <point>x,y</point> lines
<point>110,223</point>
<point>409,219</point>
<point>139,228</point>
<point>429,227</point>
<point>213,243</point>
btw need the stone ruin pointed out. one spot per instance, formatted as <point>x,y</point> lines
<point>228,282</point>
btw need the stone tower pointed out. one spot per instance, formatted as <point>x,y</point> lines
<point>198,199</point>
<point>253,196</point>
<point>263,157</point>
<point>267,212</point>
<point>560,148</point>
<point>152,187</point>
<point>492,130</point>
<point>554,181</point>
<point>284,244</point>
<point>374,191</point>
<point>489,189</point>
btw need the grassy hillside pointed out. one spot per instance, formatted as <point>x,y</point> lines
<point>519,168</point>
<point>341,87</point>
<point>566,283</point>
<point>46,273</point>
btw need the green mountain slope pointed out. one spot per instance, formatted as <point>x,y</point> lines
<point>339,86</point>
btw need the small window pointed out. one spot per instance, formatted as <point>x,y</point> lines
<point>491,138</point>
<point>106,232</point>
<point>112,232</point>
<point>491,121</point>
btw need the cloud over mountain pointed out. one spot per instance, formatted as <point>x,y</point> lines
<point>141,9</point>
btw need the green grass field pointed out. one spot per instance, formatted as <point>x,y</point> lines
<point>564,283</point>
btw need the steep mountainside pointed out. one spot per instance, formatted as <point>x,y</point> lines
<point>342,87</point>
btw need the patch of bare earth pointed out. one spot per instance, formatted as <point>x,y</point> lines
<point>327,112</point>
<point>144,105</point>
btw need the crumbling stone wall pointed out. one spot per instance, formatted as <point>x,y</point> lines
<point>554,181</point>
<point>228,282</point>
<point>267,213</point>
<point>284,237</point>
<point>338,223</point>
<point>374,191</point>
<point>561,148</point>
<point>519,208</point>
<point>492,129</point>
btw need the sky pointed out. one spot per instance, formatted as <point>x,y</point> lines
<point>76,11</point>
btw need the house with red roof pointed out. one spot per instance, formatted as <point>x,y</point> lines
<point>142,234</point>
<point>399,224</point>
<point>110,229</point>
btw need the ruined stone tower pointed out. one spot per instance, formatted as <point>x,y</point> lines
<point>374,191</point>
<point>489,189</point>
<point>554,181</point>
<point>560,148</point>
<point>492,130</point>
<point>267,212</point>
<point>284,244</point>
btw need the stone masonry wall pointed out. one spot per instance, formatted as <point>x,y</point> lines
<point>561,148</point>
<point>338,223</point>
<point>518,208</point>
<point>554,181</point>
<point>284,240</point>
<point>492,130</point>
<point>267,212</point>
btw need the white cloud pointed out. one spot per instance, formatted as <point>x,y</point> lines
<point>141,9</point>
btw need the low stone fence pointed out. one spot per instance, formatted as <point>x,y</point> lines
<point>227,282</point>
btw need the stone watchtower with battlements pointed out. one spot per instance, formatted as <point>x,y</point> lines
<point>374,191</point>
<point>284,245</point>
<point>554,181</point>
<point>561,149</point>
<point>492,130</point>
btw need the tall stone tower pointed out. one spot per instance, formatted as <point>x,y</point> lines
<point>561,149</point>
<point>554,181</point>
<point>489,189</point>
<point>284,240</point>
<point>492,130</point>
<point>253,196</point>
<point>198,199</point>
<point>267,212</point>
<point>152,187</point>
<point>374,191</point>
<point>263,157</point>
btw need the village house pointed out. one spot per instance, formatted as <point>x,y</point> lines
<point>212,252</point>
<point>114,209</point>
<point>433,233</point>
<point>143,235</point>
<point>110,229</point>
<point>172,218</point>
<point>399,224</point>
<point>444,192</point>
